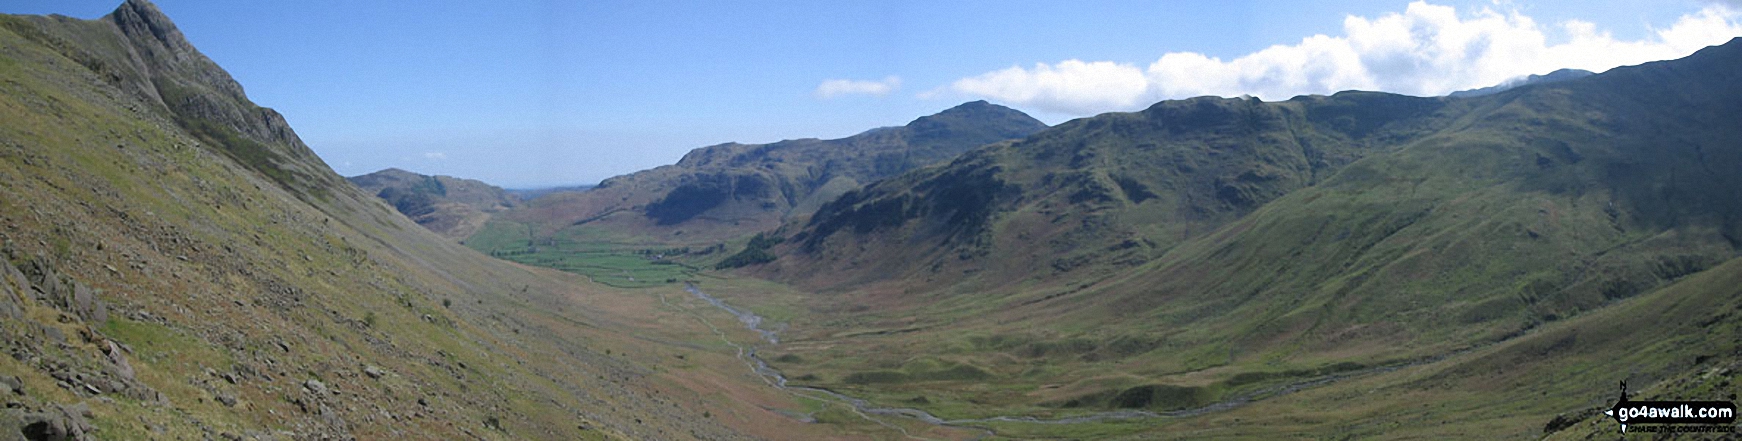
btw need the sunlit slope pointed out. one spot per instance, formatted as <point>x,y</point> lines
<point>1208,249</point>
<point>180,265</point>
<point>1676,343</point>
<point>1569,191</point>
<point>1539,204</point>
<point>1106,192</point>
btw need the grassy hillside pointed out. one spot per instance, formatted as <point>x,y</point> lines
<point>1211,249</point>
<point>452,207</point>
<point>1676,343</point>
<point>179,266</point>
<point>1117,189</point>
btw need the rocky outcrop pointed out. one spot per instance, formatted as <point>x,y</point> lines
<point>157,64</point>
<point>62,292</point>
<point>189,83</point>
<point>54,423</point>
<point>12,285</point>
<point>37,283</point>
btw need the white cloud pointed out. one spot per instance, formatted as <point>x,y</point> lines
<point>435,155</point>
<point>1426,50</point>
<point>833,88</point>
<point>1072,84</point>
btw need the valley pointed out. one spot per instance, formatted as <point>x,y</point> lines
<point>180,265</point>
<point>915,314</point>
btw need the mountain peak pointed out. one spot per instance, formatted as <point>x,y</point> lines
<point>141,18</point>
<point>143,7</point>
<point>163,51</point>
<point>158,64</point>
<point>394,171</point>
<point>973,105</point>
<point>978,107</point>
<point>979,116</point>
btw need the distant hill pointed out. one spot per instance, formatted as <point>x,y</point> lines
<point>731,190</point>
<point>1551,77</point>
<point>452,207</point>
<point>535,193</point>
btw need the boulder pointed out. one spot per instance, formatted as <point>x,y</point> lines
<point>62,422</point>
<point>11,384</point>
<point>84,302</point>
<point>118,364</point>
<point>315,386</point>
<point>41,275</point>
<point>51,334</point>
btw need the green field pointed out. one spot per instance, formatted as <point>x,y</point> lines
<point>620,264</point>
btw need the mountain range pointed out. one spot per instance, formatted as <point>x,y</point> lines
<point>1488,264</point>
<point>729,190</point>
<point>1198,244</point>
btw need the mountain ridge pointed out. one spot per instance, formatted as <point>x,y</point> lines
<point>1533,79</point>
<point>1179,252</point>
<point>1114,166</point>
<point>1335,139</point>
<point>731,190</point>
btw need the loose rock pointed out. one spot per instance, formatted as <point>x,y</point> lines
<point>315,386</point>
<point>118,362</point>
<point>12,384</point>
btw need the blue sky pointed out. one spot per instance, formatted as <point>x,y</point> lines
<point>535,93</point>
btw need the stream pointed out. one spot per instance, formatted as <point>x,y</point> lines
<point>865,408</point>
